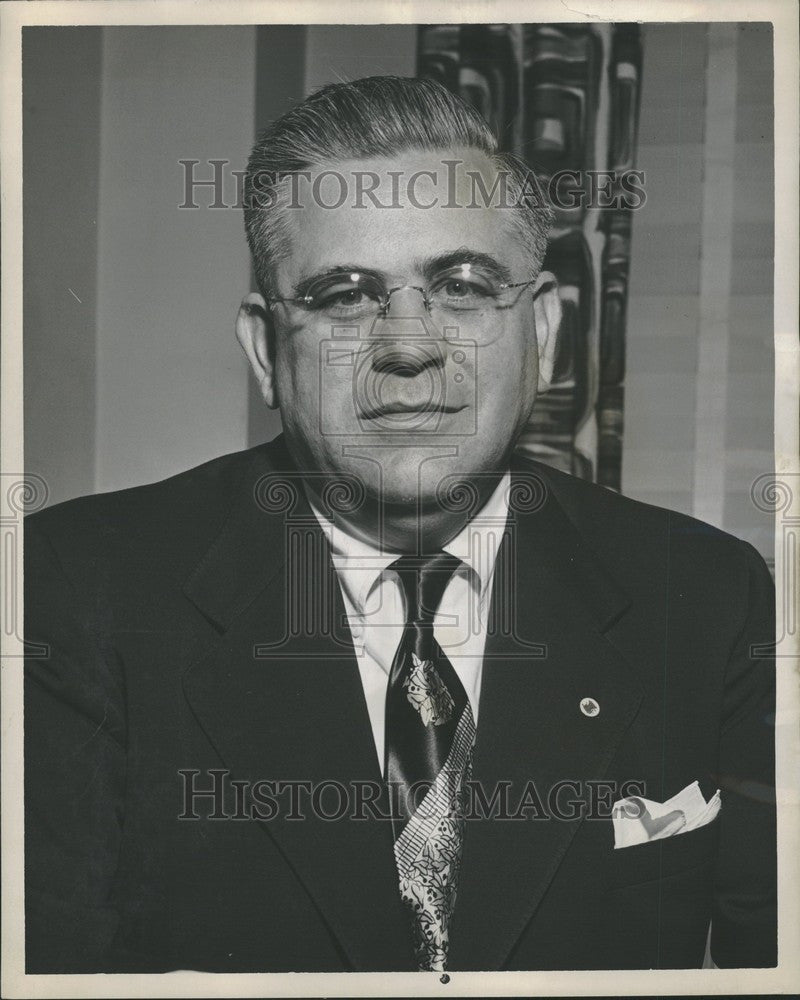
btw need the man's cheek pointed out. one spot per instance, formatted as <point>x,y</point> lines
<point>298,371</point>
<point>497,380</point>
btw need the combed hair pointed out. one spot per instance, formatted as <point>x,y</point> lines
<point>371,117</point>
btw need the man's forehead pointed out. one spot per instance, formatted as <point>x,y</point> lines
<point>416,179</point>
<point>408,207</point>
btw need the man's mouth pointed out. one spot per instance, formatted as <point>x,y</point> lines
<point>399,407</point>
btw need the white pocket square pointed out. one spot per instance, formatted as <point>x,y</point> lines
<point>638,821</point>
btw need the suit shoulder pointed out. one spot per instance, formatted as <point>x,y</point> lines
<point>632,531</point>
<point>181,510</point>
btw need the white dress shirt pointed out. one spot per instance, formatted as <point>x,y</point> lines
<point>375,604</point>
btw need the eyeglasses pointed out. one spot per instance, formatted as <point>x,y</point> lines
<point>465,289</point>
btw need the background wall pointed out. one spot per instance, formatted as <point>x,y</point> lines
<point>171,384</point>
<point>61,156</point>
<point>699,396</point>
<point>131,369</point>
<point>132,372</point>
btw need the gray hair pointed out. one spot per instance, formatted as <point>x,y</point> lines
<point>375,116</point>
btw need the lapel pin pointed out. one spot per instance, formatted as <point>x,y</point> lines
<point>589,707</point>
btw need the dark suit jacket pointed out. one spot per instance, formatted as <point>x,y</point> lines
<point>196,624</point>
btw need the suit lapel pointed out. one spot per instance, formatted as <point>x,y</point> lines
<point>530,724</point>
<point>280,698</point>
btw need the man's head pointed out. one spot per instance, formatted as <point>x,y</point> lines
<point>402,326</point>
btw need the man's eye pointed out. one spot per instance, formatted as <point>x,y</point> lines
<point>349,297</point>
<point>341,297</point>
<point>457,289</point>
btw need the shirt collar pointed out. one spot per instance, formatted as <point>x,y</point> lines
<point>360,565</point>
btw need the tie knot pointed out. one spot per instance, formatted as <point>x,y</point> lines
<point>424,579</point>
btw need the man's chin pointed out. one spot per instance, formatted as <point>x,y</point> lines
<point>399,472</point>
<point>429,489</point>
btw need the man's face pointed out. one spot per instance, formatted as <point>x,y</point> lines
<point>408,397</point>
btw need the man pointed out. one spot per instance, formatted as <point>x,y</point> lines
<point>379,695</point>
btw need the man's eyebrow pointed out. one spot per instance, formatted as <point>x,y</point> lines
<point>302,285</point>
<point>431,266</point>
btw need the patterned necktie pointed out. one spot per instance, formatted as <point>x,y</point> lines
<point>430,733</point>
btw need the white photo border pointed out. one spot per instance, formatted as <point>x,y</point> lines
<point>786,977</point>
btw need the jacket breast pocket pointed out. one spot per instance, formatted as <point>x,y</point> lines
<point>660,859</point>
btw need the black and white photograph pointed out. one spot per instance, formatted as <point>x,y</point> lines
<point>400,499</point>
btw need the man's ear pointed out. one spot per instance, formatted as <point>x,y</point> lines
<point>547,314</point>
<point>255,332</point>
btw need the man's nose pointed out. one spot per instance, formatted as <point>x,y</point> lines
<point>408,300</point>
<point>406,358</point>
<point>405,314</point>
<point>404,341</point>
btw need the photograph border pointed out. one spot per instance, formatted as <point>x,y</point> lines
<point>782,491</point>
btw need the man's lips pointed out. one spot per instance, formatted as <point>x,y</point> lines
<point>400,407</point>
